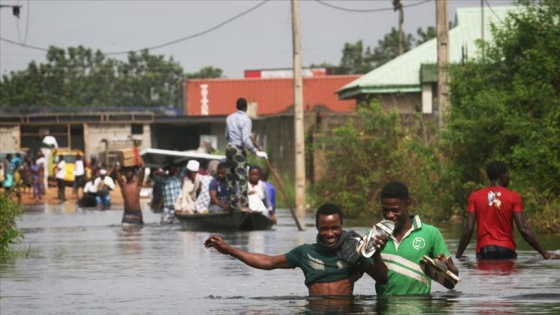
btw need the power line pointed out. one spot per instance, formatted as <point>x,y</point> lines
<point>369,10</point>
<point>157,46</point>
<point>22,45</point>
<point>489,6</point>
<point>194,35</point>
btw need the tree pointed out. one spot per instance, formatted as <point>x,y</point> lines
<point>424,36</point>
<point>79,77</point>
<point>355,59</point>
<point>507,106</point>
<point>207,72</point>
<point>359,59</point>
<point>388,48</point>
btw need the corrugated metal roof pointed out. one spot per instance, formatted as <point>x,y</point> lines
<point>402,74</point>
<point>272,96</point>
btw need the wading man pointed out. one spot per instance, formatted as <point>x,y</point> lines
<point>130,190</point>
<point>326,274</point>
<point>495,208</point>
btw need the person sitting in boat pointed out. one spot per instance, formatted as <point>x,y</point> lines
<point>186,202</point>
<point>104,184</point>
<point>203,200</point>
<point>219,197</point>
<point>258,195</point>
<point>325,272</point>
<point>270,189</point>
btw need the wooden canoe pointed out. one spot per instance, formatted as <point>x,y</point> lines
<point>162,158</point>
<point>227,221</point>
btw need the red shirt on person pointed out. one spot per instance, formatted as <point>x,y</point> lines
<point>494,207</point>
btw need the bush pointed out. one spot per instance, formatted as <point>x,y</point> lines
<point>9,234</point>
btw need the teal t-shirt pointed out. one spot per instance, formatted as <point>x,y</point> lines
<point>319,264</point>
<point>402,260</point>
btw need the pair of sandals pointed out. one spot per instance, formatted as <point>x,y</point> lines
<point>434,269</point>
<point>366,247</point>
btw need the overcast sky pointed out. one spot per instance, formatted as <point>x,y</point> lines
<point>259,39</point>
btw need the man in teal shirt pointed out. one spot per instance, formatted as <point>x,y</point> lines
<point>325,273</point>
<point>411,240</point>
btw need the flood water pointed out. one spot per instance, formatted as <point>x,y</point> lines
<point>87,263</point>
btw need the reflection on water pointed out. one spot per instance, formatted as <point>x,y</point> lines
<point>90,264</point>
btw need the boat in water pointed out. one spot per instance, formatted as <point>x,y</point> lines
<point>227,221</point>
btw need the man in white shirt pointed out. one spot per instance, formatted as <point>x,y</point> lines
<point>104,184</point>
<point>89,195</point>
<point>49,146</point>
<point>61,177</point>
<point>79,175</point>
<point>42,163</point>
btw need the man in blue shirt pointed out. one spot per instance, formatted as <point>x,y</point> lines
<point>238,134</point>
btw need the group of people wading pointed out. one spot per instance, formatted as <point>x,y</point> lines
<point>330,267</point>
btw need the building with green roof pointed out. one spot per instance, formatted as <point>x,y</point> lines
<point>409,82</point>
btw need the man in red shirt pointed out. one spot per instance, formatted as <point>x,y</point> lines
<point>495,208</point>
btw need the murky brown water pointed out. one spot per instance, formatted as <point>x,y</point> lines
<point>89,264</point>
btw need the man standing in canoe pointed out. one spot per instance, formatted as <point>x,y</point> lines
<point>130,190</point>
<point>326,273</point>
<point>238,135</point>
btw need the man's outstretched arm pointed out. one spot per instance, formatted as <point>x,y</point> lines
<point>255,260</point>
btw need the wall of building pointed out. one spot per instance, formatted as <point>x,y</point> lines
<point>405,103</point>
<point>211,97</point>
<point>9,138</point>
<point>119,136</point>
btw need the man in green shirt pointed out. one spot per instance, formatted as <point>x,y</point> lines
<point>325,273</point>
<point>411,240</point>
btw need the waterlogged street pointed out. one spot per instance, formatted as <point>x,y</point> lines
<point>87,263</point>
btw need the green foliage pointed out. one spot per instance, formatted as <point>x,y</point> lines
<point>82,78</point>
<point>424,36</point>
<point>372,148</point>
<point>358,58</point>
<point>9,234</point>
<point>355,59</point>
<point>208,72</point>
<point>507,107</point>
<point>388,48</point>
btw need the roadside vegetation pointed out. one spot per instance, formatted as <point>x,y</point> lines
<point>505,106</point>
<point>10,212</point>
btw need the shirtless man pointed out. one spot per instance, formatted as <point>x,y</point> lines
<point>130,191</point>
<point>325,273</point>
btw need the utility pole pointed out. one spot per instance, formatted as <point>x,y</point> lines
<point>397,5</point>
<point>442,59</point>
<point>298,115</point>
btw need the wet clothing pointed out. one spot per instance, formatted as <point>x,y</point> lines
<point>495,253</point>
<point>237,175</point>
<point>319,263</point>
<point>132,217</point>
<point>494,207</point>
<point>402,259</point>
<point>104,186</point>
<point>171,189</point>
